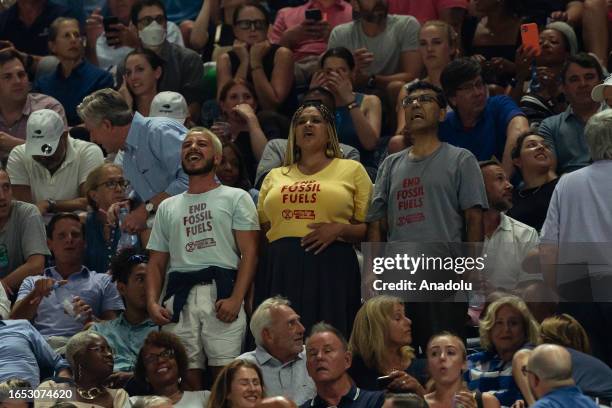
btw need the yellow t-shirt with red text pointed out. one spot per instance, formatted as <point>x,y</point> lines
<point>290,200</point>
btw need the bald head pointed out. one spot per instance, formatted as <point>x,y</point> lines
<point>551,363</point>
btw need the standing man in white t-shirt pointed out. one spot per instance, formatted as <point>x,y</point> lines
<point>209,236</point>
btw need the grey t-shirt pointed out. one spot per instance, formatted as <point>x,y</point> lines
<point>400,35</point>
<point>23,235</point>
<point>424,199</point>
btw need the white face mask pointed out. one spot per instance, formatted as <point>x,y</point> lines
<point>152,35</point>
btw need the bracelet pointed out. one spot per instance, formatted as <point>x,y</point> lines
<point>352,105</point>
<point>256,68</point>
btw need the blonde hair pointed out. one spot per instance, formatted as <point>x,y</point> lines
<point>370,332</point>
<point>530,325</point>
<point>217,145</point>
<point>93,181</point>
<point>294,154</point>
<point>451,35</point>
<point>564,330</point>
<point>431,384</point>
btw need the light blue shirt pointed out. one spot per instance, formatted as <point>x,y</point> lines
<point>152,157</point>
<point>95,289</point>
<point>125,339</point>
<point>290,380</point>
<point>24,352</point>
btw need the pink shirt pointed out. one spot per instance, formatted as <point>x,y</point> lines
<point>34,102</point>
<point>424,10</point>
<point>338,13</point>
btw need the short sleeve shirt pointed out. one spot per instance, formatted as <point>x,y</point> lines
<point>95,289</point>
<point>23,235</point>
<point>401,35</point>
<point>488,138</point>
<point>424,199</point>
<point>290,200</point>
<point>197,229</point>
<point>81,158</point>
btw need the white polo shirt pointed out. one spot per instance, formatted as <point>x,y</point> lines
<point>81,158</point>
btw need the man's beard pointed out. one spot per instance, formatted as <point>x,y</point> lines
<point>377,15</point>
<point>208,166</point>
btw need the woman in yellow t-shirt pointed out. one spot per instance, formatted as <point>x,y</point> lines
<point>312,209</point>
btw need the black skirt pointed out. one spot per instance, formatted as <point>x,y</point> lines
<point>324,287</point>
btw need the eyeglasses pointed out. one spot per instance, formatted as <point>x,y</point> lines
<point>153,358</point>
<point>472,86</point>
<point>110,184</point>
<point>410,100</point>
<point>145,21</point>
<point>257,25</point>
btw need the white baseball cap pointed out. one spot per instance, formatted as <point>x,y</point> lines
<point>169,105</point>
<point>598,90</point>
<point>43,132</point>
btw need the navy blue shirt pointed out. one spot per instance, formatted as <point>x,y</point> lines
<point>82,81</point>
<point>488,137</point>
<point>355,398</point>
<point>98,251</point>
<point>33,39</point>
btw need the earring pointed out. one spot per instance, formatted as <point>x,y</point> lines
<point>329,152</point>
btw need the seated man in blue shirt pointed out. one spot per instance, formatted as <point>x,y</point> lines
<point>327,361</point>
<point>67,296</point>
<point>488,127</point>
<point>126,334</point>
<point>151,147</point>
<point>75,77</point>
<point>565,131</point>
<point>280,353</point>
<point>24,353</point>
<point>549,372</point>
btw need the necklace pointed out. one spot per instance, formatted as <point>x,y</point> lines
<point>522,194</point>
<point>91,393</point>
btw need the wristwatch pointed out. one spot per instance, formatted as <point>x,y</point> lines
<point>150,207</point>
<point>52,205</point>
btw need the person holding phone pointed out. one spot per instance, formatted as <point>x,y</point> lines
<point>380,343</point>
<point>111,37</point>
<point>302,31</point>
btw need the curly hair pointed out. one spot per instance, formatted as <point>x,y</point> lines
<point>165,340</point>
<point>530,325</point>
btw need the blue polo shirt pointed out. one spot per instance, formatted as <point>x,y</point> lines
<point>125,339</point>
<point>565,133</point>
<point>84,79</point>
<point>95,289</point>
<point>565,397</point>
<point>488,137</point>
<point>152,156</point>
<point>355,398</point>
<point>24,352</point>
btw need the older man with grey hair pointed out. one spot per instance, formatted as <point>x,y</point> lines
<point>280,354</point>
<point>549,372</point>
<point>578,231</point>
<point>151,146</point>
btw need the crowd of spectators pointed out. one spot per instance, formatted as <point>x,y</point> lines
<point>193,195</point>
